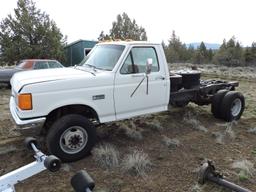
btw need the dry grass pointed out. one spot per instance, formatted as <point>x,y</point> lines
<point>229,129</point>
<point>227,135</point>
<point>171,143</point>
<point>195,188</point>
<point>218,70</point>
<point>252,130</point>
<point>192,120</point>
<point>7,149</point>
<point>66,167</point>
<point>137,163</point>
<point>219,137</point>
<point>155,125</point>
<point>130,130</point>
<point>245,169</point>
<point>106,155</point>
<point>115,185</point>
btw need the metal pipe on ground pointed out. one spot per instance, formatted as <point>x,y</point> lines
<point>207,172</point>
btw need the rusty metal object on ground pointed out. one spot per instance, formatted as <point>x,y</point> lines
<point>207,172</point>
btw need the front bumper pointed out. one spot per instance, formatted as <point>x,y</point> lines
<point>26,127</point>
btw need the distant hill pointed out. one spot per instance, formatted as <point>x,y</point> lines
<point>208,45</point>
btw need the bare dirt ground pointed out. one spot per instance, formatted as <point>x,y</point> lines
<point>174,165</point>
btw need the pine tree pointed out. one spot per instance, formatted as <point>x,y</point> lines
<point>230,53</point>
<point>176,50</point>
<point>103,37</point>
<point>125,28</point>
<point>250,55</point>
<point>202,55</point>
<point>30,33</point>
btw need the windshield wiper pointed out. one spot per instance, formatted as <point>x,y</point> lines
<point>91,66</point>
<point>103,69</point>
<point>94,67</point>
<point>79,68</point>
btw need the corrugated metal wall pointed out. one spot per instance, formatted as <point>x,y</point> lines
<point>75,52</point>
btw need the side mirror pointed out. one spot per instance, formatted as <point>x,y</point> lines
<point>149,65</point>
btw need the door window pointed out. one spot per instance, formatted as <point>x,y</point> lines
<point>137,59</point>
<point>41,65</point>
<point>54,64</point>
<point>128,65</point>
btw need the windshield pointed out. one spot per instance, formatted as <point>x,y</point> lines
<point>21,64</point>
<point>104,57</point>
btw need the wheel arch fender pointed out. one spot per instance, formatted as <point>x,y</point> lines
<point>87,110</point>
<point>68,103</point>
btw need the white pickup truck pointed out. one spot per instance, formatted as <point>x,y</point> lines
<point>118,80</point>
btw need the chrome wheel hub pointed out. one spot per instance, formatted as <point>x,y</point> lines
<point>236,107</point>
<point>73,140</point>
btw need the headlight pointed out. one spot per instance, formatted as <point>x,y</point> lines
<point>25,101</point>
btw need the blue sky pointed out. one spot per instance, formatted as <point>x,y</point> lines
<point>194,21</point>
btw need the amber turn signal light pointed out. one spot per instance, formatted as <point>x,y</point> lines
<point>25,101</point>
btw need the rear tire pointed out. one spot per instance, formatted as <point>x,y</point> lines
<point>216,103</point>
<point>71,137</point>
<point>232,106</point>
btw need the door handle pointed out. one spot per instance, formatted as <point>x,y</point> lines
<point>160,78</point>
<point>138,75</point>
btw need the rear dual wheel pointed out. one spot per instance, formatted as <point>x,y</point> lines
<point>228,105</point>
<point>217,102</point>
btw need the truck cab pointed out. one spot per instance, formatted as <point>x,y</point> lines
<point>118,80</point>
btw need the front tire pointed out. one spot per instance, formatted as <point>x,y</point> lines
<point>232,106</point>
<point>71,137</point>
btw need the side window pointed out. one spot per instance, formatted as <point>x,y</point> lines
<point>127,67</point>
<point>137,60</point>
<point>41,65</point>
<point>54,64</point>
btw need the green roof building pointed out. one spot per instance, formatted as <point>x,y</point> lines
<point>76,51</point>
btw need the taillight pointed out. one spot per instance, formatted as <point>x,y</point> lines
<point>25,101</point>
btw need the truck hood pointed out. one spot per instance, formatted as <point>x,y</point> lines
<point>21,79</point>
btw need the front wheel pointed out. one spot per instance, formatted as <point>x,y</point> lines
<point>71,137</point>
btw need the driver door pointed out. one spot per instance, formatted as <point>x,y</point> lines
<point>131,93</point>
